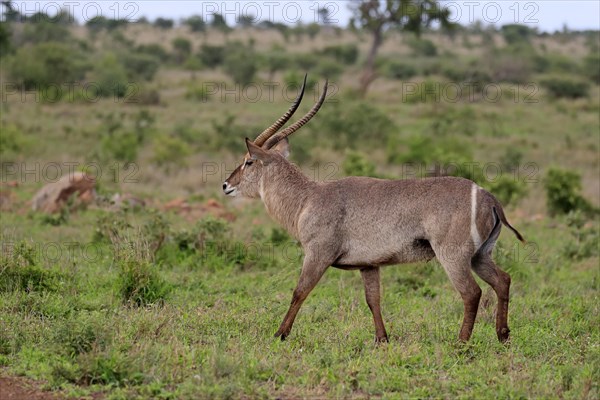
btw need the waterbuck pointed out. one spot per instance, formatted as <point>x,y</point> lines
<point>365,223</point>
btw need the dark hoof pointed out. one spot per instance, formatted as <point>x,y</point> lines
<point>280,335</point>
<point>503,335</point>
<point>383,339</point>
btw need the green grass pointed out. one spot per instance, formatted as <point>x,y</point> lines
<point>212,335</point>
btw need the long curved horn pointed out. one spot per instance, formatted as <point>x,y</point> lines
<point>270,131</point>
<point>298,124</point>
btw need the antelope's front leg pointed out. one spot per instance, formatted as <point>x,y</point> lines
<point>312,271</point>
<point>372,288</point>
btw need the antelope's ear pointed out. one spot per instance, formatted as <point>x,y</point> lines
<point>258,153</point>
<point>282,147</point>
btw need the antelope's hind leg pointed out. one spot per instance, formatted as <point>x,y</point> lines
<point>500,282</point>
<point>370,278</point>
<point>458,269</point>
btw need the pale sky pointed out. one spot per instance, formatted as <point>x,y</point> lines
<point>547,15</point>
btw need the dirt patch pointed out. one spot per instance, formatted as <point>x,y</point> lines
<point>17,388</point>
<point>21,388</point>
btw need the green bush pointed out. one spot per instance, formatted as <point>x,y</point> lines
<point>170,151</point>
<point>197,93</point>
<point>565,87</point>
<point>355,164</point>
<point>5,39</point>
<point>120,145</point>
<point>153,49</point>
<point>196,23</point>
<point>399,70</point>
<point>422,47</point>
<point>20,271</point>
<point>306,61</point>
<point>45,31</point>
<point>109,77</point>
<point>241,65</point>
<point>584,239</point>
<point>38,66</point>
<point>350,124</point>
<point>563,192</point>
<point>507,189</point>
<point>182,49</point>
<point>275,61</point>
<point>212,56</point>
<point>444,155</point>
<point>140,66</point>
<point>140,284</point>
<point>516,33</point>
<point>13,143</point>
<point>345,53</point>
<point>591,67</point>
<point>164,23</point>
<point>329,69</point>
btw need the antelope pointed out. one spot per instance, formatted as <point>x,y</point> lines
<point>366,223</point>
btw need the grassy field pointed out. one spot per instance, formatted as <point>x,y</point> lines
<point>167,302</point>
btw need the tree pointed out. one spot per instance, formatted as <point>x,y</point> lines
<point>246,20</point>
<point>219,23</point>
<point>377,17</point>
<point>164,23</point>
<point>196,23</point>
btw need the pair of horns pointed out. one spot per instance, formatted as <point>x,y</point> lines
<point>268,138</point>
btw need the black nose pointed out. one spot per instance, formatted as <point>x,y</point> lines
<point>224,186</point>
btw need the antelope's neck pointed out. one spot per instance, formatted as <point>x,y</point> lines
<point>285,192</point>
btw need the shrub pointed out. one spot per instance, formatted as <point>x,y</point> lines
<point>45,31</point>
<point>275,61</point>
<point>355,164</point>
<point>240,65</point>
<point>516,33</point>
<point>182,48</point>
<point>197,93</point>
<point>306,62</point>
<point>140,284</point>
<point>19,271</point>
<point>140,66</point>
<point>507,189</point>
<point>511,159</point>
<point>294,78</point>
<point>212,56</point>
<point>584,240</point>
<point>591,67</point>
<point>329,69</point>
<point>13,143</point>
<point>346,53</point>
<point>196,23</point>
<point>5,36</point>
<point>563,192</point>
<point>109,77</point>
<point>164,23</point>
<point>399,70</point>
<point>170,151</point>
<point>38,66</point>
<point>119,145</point>
<point>353,123</point>
<point>154,49</point>
<point>445,156</point>
<point>422,47</point>
<point>565,87</point>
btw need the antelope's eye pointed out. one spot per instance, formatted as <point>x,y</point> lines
<point>248,162</point>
